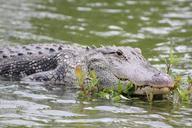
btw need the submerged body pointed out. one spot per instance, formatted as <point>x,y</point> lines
<point>56,64</point>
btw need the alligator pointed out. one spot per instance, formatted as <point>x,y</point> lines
<point>56,64</point>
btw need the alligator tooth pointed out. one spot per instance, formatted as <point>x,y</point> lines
<point>136,87</point>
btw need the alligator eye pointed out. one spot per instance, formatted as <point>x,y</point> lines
<point>119,52</point>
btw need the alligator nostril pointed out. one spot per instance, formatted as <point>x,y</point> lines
<point>158,74</point>
<point>162,79</point>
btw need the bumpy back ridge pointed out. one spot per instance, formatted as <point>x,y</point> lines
<point>9,52</point>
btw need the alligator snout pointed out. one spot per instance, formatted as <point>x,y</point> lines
<point>160,83</point>
<point>162,80</point>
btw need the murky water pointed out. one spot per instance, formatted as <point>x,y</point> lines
<point>155,26</point>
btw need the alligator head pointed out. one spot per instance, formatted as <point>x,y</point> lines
<point>127,64</point>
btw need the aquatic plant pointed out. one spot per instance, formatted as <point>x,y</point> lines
<point>92,87</point>
<point>171,61</point>
<point>179,93</point>
<point>91,90</point>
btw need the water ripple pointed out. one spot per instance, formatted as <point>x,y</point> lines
<point>154,26</point>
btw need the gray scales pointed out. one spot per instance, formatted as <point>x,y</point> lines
<point>56,64</point>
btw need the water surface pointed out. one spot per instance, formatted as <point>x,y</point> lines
<point>152,25</point>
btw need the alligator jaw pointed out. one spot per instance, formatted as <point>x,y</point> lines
<point>144,90</point>
<point>160,84</point>
<point>147,89</point>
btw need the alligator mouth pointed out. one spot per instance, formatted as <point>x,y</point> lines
<point>149,89</point>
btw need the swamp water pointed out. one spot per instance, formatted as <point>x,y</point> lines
<point>152,25</point>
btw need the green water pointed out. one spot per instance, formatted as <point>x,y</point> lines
<point>155,26</point>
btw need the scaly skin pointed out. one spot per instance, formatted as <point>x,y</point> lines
<point>56,63</point>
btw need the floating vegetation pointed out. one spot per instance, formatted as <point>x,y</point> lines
<point>92,87</point>
<point>179,93</point>
<point>91,90</point>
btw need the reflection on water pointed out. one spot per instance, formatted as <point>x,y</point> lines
<point>154,26</point>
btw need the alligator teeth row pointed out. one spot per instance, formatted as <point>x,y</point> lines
<point>145,86</point>
<point>143,90</point>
